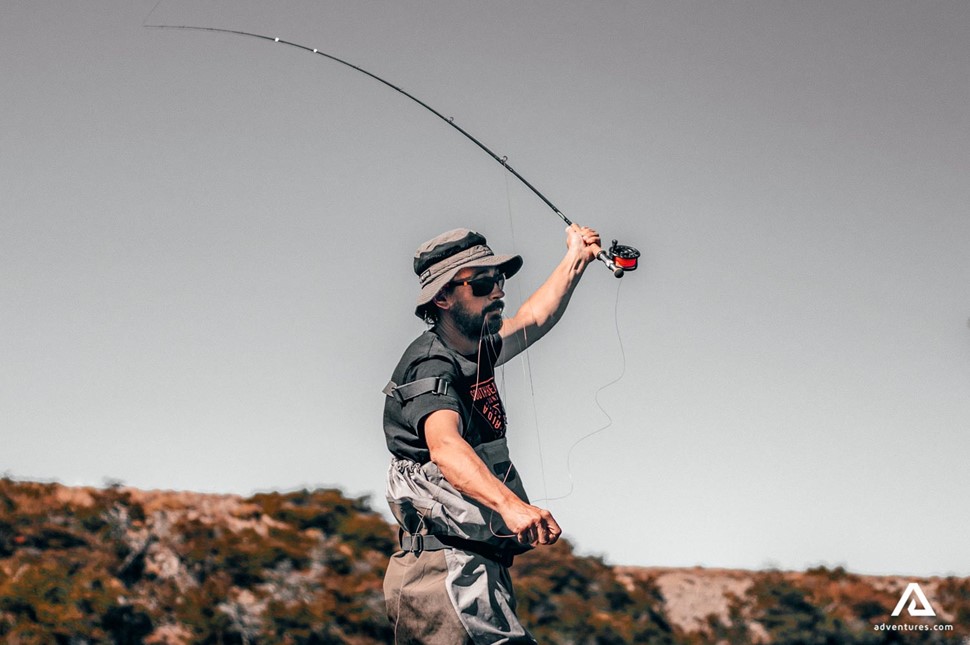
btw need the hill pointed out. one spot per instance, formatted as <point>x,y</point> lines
<point>85,565</point>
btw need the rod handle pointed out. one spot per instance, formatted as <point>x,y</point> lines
<point>602,256</point>
<point>610,264</point>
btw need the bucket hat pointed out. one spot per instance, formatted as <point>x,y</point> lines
<point>438,260</point>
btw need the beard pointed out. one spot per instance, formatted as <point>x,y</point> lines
<point>475,325</point>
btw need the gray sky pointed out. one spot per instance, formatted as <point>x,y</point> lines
<point>205,249</point>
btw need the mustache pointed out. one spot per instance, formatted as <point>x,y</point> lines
<point>498,305</point>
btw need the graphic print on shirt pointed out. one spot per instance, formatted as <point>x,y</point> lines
<point>487,403</point>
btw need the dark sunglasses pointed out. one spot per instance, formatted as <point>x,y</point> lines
<point>482,286</point>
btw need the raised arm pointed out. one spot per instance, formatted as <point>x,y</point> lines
<point>464,470</point>
<point>543,309</point>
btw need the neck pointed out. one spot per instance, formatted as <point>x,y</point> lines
<point>452,337</point>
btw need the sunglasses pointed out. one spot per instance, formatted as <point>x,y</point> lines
<point>482,286</point>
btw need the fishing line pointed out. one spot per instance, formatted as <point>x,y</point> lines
<point>628,257</point>
<point>526,361</point>
<point>154,7</point>
<point>527,370</point>
<point>596,399</point>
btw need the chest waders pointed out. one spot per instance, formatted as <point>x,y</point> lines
<point>433,515</point>
<point>464,553</point>
<point>450,582</point>
<point>431,512</point>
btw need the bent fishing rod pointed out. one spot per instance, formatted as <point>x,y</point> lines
<point>618,258</point>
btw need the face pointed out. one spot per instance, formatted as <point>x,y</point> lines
<point>474,315</point>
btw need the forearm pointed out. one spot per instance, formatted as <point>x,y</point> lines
<point>462,467</point>
<point>546,306</point>
<point>543,309</point>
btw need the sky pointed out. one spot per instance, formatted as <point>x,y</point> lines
<point>206,245</point>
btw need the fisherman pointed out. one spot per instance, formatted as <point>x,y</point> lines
<point>462,508</point>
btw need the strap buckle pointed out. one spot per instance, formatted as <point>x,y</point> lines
<point>417,544</point>
<point>403,393</point>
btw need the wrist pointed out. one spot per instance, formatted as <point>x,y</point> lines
<point>510,502</point>
<point>577,258</point>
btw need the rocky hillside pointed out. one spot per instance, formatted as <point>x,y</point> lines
<point>119,565</point>
<point>816,606</point>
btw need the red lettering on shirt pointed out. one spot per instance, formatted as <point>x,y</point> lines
<point>488,403</point>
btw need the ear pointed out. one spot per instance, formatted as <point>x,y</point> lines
<point>441,300</point>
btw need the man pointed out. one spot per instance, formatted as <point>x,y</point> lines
<point>452,487</point>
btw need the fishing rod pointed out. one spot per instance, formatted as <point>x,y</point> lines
<point>618,258</point>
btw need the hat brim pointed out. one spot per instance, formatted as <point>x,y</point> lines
<point>509,265</point>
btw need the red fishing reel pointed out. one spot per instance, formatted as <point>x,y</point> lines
<point>624,257</point>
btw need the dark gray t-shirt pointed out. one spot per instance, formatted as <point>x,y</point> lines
<point>472,393</point>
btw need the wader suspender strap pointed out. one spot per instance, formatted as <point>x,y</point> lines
<point>404,393</point>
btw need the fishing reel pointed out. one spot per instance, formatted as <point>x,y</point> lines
<point>625,257</point>
<point>620,258</point>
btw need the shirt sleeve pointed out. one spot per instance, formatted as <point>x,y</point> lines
<point>418,408</point>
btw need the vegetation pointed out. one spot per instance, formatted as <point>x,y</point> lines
<point>831,607</point>
<point>125,566</point>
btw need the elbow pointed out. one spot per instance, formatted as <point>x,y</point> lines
<point>456,469</point>
<point>446,462</point>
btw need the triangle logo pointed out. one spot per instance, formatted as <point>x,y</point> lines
<point>924,609</point>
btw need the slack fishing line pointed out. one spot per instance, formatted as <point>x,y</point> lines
<point>596,399</point>
<point>619,258</point>
<point>526,362</point>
